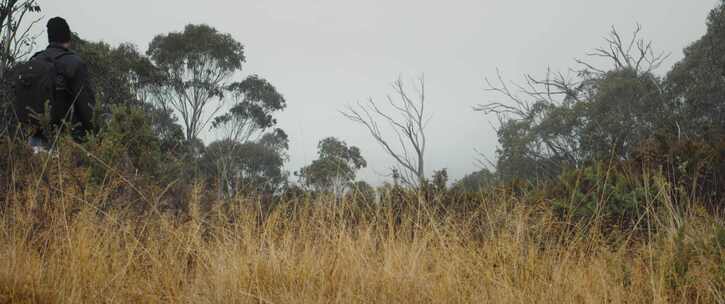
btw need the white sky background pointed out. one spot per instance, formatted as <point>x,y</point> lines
<point>323,55</point>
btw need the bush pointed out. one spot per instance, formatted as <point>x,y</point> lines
<point>694,167</point>
<point>127,144</point>
<point>605,191</point>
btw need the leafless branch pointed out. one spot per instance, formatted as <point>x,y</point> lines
<point>406,121</point>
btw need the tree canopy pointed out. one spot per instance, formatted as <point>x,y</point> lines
<point>335,167</point>
<point>197,64</point>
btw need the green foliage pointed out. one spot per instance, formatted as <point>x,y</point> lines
<point>614,112</point>
<point>257,102</point>
<point>178,51</point>
<point>604,191</point>
<point>237,163</point>
<point>15,29</point>
<point>606,115</point>
<point>119,74</point>
<point>127,144</point>
<point>620,192</point>
<point>335,167</point>
<point>694,167</point>
<point>697,82</point>
<point>475,182</point>
<point>611,132</point>
<point>123,76</point>
<point>196,64</point>
<point>626,109</point>
<point>164,126</point>
<point>251,167</point>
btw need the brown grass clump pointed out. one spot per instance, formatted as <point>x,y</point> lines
<point>66,241</point>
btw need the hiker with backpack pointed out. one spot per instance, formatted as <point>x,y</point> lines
<point>55,79</point>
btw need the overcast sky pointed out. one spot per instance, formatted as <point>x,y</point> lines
<point>324,55</point>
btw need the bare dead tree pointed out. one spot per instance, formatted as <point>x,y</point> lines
<point>636,54</point>
<point>556,88</point>
<point>406,121</point>
<point>17,39</point>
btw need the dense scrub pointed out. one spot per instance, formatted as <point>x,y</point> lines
<point>70,237</point>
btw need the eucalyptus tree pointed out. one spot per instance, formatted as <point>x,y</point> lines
<point>564,120</point>
<point>247,121</point>
<point>255,103</point>
<point>249,167</point>
<point>697,82</point>
<point>198,64</point>
<point>124,76</point>
<point>335,168</point>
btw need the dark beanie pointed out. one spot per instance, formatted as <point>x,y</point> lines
<point>58,30</point>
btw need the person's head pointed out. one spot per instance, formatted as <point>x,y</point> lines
<point>59,31</point>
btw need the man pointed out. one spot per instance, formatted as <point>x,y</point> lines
<point>74,95</point>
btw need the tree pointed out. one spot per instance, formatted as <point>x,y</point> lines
<point>197,63</point>
<point>475,181</point>
<point>141,75</point>
<point>120,75</point>
<point>16,43</point>
<point>558,122</point>
<point>626,109</point>
<point>128,144</point>
<point>697,82</point>
<point>407,124</point>
<point>256,102</point>
<point>335,167</point>
<point>251,167</point>
<point>17,40</point>
<point>165,127</point>
<point>253,113</point>
<point>123,76</point>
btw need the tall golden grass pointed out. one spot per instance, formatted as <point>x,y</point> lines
<point>63,240</point>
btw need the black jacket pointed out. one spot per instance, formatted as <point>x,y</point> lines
<point>78,91</point>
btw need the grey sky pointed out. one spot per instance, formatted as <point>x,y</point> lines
<point>323,55</point>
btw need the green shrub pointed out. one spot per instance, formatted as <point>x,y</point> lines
<point>609,192</point>
<point>694,167</point>
<point>127,145</point>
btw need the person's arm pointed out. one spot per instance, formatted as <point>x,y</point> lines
<point>84,96</point>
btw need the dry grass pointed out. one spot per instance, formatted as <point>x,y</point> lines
<point>69,246</point>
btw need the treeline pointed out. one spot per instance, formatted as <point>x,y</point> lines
<point>601,129</point>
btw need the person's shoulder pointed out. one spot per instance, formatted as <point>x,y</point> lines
<point>37,54</point>
<point>71,58</point>
<point>70,55</point>
<point>71,63</point>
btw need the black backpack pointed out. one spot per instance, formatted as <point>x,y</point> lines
<point>37,82</point>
